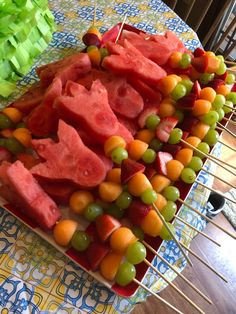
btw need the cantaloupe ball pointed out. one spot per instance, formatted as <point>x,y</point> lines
<point>64,231</point>
<point>152,224</point>
<point>109,265</point>
<point>121,238</point>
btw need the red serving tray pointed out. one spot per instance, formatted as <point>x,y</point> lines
<point>79,258</point>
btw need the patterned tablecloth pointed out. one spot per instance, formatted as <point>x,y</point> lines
<point>34,276</point>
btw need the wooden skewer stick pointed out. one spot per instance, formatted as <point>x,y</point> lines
<point>230,121</point>
<point>225,129</point>
<point>174,286</point>
<point>214,175</point>
<point>223,195</point>
<point>121,28</point>
<point>230,147</point>
<point>212,158</point>
<point>204,262</point>
<point>177,272</point>
<point>198,231</point>
<point>172,234</point>
<point>207,219</point>
<point>230,62</point>
<point>157,296</point>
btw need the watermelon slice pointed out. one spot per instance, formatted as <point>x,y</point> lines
<point>69,159</point>
<point>21,189</point>
<point>129,61</point>
<point>157,48</point>
<point>89,109</point>
<point>70,68</point>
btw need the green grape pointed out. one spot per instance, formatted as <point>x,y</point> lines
<point>13,145</point>
<point>188,84</point>
<point>188,175</point>
<point>80,241</point>
<point>152,121</point>
<point>196,163</point>
<point>178,92</point>
<point>213,126</point>
<point>92,211</point>
<point>221,114</point>
<point>149,196</point>
<point>230,78</point>
<point>114,211</point>
<point>149,156</point>
<point>125,274</point>
<point>218,102</point>
<point>5,122</point>
<point>228,104</point>
<point>211,137</point>
<point>155,144</point>
<point>124,200</point>
<point>185,61</point>
<point>118,155</point>
<point>222,68</point>
<point>169,210</point>
<point>21,125</point>
<point>204,148</point>
<point>221,58</point>
<point>2,142</point>
<point>171,193</point>
<point>210,118</point>
<point>138,232</point>
<point>135,253</point>
<point>91,47</point>
<point>179,115</point>
<point>103,52</point>
<point>205,78</point>
<point>231,97</point>
<point>175,136</point>
<point>165,234</point>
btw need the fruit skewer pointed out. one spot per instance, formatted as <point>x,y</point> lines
<point>176,271</point>
<point>210,157</point>
<point>172,234</point>
<point>198,231</point>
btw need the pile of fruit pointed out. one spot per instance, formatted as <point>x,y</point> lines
<point>26,29</point>
<point>114,133</point>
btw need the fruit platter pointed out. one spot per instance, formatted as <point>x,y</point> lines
<point>98,156</point>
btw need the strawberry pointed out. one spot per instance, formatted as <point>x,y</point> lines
<point>233,89</point>
<point>161,161</point>
<point>92,232</point>
<point>200,63</point>
<point>5,154</point>
<point>149,172</point>
<point>164,128</point>
<point>215,83</point>
<point>171,148</point>
<point>129,168</point>
<point>145,114</point>
<point>188,123</point>
<point>137,211</point>
<point>187,102</point>
<point>222,77</point>
<point>95,254</point>
<point>196,89</point>
<point>105,225</point>
<point>198,52</point>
